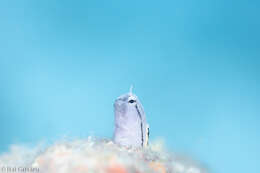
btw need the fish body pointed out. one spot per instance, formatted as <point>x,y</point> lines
<point>131,128</point>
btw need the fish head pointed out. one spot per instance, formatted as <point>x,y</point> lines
<point>130,121</point>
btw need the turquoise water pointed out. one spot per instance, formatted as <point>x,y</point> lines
<point>194,66</point>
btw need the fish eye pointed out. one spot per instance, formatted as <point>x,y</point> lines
<point>132,101</point>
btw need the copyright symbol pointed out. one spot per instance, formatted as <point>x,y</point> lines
<point>3,169</point>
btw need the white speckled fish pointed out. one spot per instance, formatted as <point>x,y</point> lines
<point>131,129</point>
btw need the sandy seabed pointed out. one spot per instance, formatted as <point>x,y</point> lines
<point>95,156</point>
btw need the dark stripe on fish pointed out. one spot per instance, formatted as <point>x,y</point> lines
<point>141,124</point>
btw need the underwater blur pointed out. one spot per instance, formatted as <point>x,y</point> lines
<point>194,66</point>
